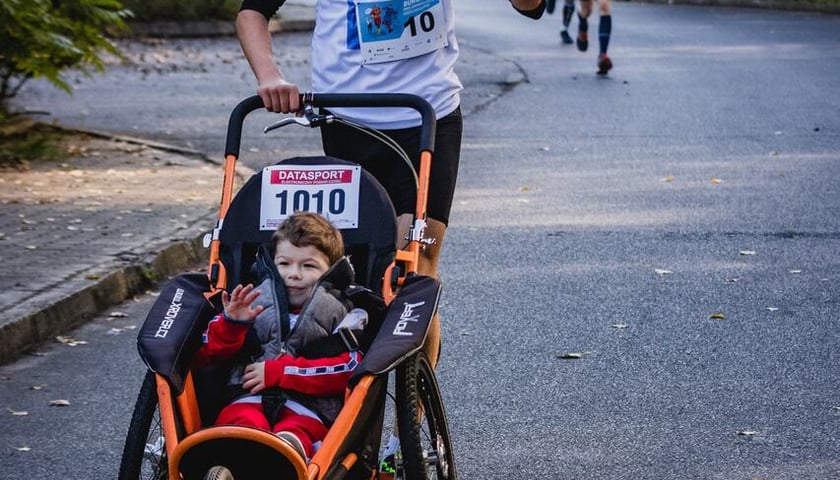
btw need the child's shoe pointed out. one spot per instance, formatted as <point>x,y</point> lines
<point>604,64</point>
<point>293,441</point>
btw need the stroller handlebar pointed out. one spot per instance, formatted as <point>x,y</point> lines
<point>327,100</point>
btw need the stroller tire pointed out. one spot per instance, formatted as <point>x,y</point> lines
<point>144,455</point>
<point>218,473</point>
<point>423,429</point>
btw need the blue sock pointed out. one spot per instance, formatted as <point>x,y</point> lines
<point>604,30</point>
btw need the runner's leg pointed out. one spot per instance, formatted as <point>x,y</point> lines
<point>604,31</point>
<point>584,10</point>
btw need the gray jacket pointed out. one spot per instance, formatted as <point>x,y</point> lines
<point>319,317</point>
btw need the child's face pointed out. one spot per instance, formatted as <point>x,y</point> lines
<point>300,268</point>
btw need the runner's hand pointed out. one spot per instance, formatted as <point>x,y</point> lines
<point>280,96</point>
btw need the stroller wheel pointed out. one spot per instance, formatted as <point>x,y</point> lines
<point>424,433</point>
<point>144,455</point>
<point>218,473</point>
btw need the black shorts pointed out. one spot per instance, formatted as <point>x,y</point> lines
<point>350,144</point>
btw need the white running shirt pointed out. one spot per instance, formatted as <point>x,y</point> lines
<point>350,59</point>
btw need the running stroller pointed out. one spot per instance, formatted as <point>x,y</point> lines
<point>171,434</point>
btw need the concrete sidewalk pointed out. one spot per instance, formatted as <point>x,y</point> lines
<point>86,234</point>
<point>118,216</point>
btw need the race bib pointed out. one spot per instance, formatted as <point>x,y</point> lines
<point>331,190</point>
<point>398,29</point>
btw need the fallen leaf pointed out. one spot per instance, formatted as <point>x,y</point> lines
<point>669,178</point>
<point>660,271</point>
<point>746,433</point>
<point>569,356</point>
<point>38,387</point>
<point>18,413</point>
<point>794,271</point>
<point>70,341</point>
<point>733,280</point>
<point>716,180</point>
<point>117,315</point>
<point>92,277</point>
<point>22,449</point>
<point>771,309</point>
<point>717,315</point>
<point>620,326</point>
<point>59,403</point>
<point>747,253</point>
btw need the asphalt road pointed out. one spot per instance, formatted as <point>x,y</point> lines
<point>604,217</point>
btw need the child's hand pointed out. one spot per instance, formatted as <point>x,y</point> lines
<point>238,303</point>
<point>254,378</point>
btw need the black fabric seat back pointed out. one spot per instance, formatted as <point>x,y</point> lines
<point>370,244</point>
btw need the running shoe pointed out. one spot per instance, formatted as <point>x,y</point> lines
<point>583,40</point>
<point>388,467</point>
<point>604,64</point>
<point>567,39</point>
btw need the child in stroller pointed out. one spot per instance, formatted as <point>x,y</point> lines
<point>295,396</point>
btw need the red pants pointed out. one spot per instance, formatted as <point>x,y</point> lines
<point>309,430</point>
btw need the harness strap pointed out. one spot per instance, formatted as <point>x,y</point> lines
<point>344,340</point>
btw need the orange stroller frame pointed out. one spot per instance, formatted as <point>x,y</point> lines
<point>171,437</point>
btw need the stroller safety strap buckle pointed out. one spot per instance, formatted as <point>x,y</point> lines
<point>349,339</point>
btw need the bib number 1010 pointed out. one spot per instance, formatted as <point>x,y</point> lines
<point>333,202</point>
<point>329,190</point>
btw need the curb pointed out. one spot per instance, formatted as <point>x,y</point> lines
<point>33,329</point>
<point>77,308</point>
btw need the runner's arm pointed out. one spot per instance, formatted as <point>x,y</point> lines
<point>277,94</point>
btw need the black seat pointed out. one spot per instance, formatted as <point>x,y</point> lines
<point>370,245</point>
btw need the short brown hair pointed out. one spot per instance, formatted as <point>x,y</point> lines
<point>304,229</point>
